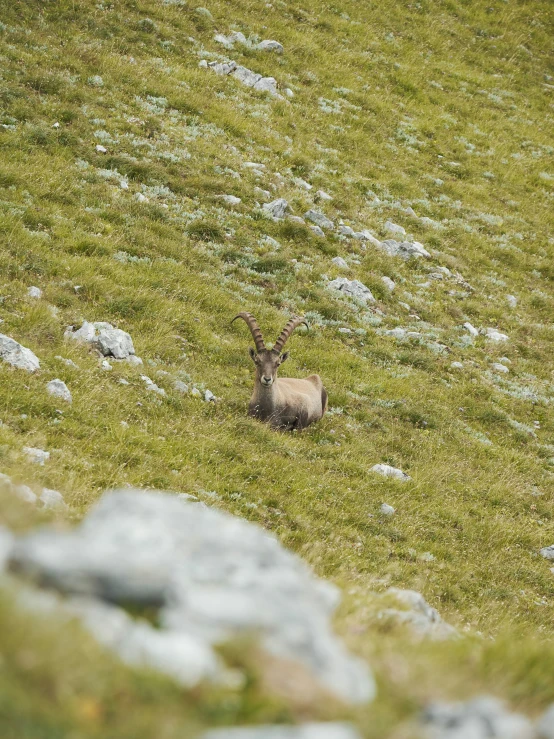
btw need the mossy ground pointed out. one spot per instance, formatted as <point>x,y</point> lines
<point>445,107</point>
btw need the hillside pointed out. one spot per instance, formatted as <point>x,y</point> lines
<point>133,177</point>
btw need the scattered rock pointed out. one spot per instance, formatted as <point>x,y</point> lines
<point>457,365</point>
<point>181,386</point>
<point>151,385</point>
<point>368,236</point>
<point>34,292</point>
<point>246,76</point>
<point>25,493</point>
<point>213,577</point>
<point>133,360</point>
<point>281,731</point>
<point>298,219</point>
<point>340,262</point>
<point>472,330</point>
<point>277,208</point>
<point>17,355</point>
<point>101,149</point>
<point>389,283</point>
<point>110,341</point>
<point>393,228</point>
<point>67,362</point>
<point>35,455</point>
<point>497,367</point>
<point>105,365</point>
<point>511,300</point>
<point>404,249</point>
<point>545,724</point>
<point>209,397</point>
<point>230,199</point>
<point>345,230</point>
<point>548,552</point>
<point>59,389</point>
<point>236,37</point>
<point>321,195</point>
<point>495,335</point>
<point>352,288</point>
<point>140,197</point>
<point>270,45</point>
<point>318,231</point>
<point>387,510</point>
<point>422,618</point>
<point>387,471</point>
<point>52,499</point>
<point>319,219</point>
<point>481,718</point>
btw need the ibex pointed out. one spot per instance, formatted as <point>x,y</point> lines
<point>284,403</point>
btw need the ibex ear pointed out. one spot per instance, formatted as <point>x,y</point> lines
<point>284,357</point>
<point>252,353</point>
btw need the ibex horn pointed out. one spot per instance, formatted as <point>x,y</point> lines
<point>287,331</point>
<point>254,328</point>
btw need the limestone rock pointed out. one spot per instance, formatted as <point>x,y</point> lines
<point>319,219</point>
<point>404,249</point>
<point>497,367</point>
<point>52,499</point>
<point>34,292</point>
<point>59,389</point>
<point>277,208</point>
<point>494,335</point>
<point>17,355</point>
<point>110,341</point>
<point>270,45</point>
<point>481,718</point>
<point>423,619</point>
<point>366,235</point>
<point>548,552</point>
<point>281,731</point>
<point>471,329</point>
<point>213,577</point>
<point>387,471</point>
<point>322,195</point>
<point>318,231</point>
<point>511,300</point>
<point>345,230</point>
<point>388,282</point>
<point>340,262</point>
<point>387,510</point>
<point>151,385</point>
<point>230,199</point>
<point>35,455</point>
<point>353,289</point>
<point>393,228</point>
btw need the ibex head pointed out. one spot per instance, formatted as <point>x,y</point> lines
<point>268,361</point>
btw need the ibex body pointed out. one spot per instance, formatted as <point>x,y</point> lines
<point>284,403</point>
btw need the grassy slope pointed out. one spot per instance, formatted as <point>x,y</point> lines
<point>449,91</point>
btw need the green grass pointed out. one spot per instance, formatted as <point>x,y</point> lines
<point>445,107</point>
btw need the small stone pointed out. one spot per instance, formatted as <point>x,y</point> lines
<point>511,300</point>
<point>366,235</point>
<point>52,499</point>
<point>404,249</point>
<point>17,355</point>
<point>34,292</point>
<point>96,81</point>
<point>55,125</point>
<point>318,231</point>
<point>393,228</point>
<point>204,13</point>
<point>387,471</point>
<point>495,335</point>
<point>67,362</point>
<point>196,392</point>
<point>322,195</point>
<point>353,289</point>
<point>25,493</point>
<point>181,386</point>
<point>270,45</point>
<point>388,282</point>
<point>277,208</point>
<point>480,718</point>
<point>288,92</point>
<point>203,64</point>
<point>150,385</point>
<point>35,455</point>
<point>340,262</point>
<point>387,510</point>
<point>548,552</point>
<point>113,342</point>
<point>230,199</point>
<point>59,389</point>
<point>319,219</point>
<point>457,365</point>
<point>472,330</point>
<point>222,68</point>
<point>497,367</point>
<point>298,219</point>
<point>105,365</point>
<point>209,396</point>
<point>345,230</point>
<point>101,149</point>
<point>299,182</point>
<point>140,198</point>
<point>123,184</point>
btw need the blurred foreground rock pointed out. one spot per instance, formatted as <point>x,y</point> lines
<point>212,576</point>
<point>305,731</point>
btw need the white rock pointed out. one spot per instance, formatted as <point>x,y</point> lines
<point>495,335</point>
<point>404,249</point>
<point>345,230</point>
<point>203,64</point>
<point>545,724</point>
<point>319,219</point>
<point>181,386</point>
<point>52,499</point>
<point>113,342</point>
<point>345,330</point>
<point>267,84</point>
<point>505,360</point>
<point>140,198</point>
<point>35,455</point>
<point>86,334</point>
<point>101,149</point>
<point>387,510</point>
<point>480,718</point>
<point>548,552</point>
<point>388,282</point>
<point>209,396</point>
<point>322,195</point>
<point>366,235</point>
<point>34,292</point>
<point>17,355</point>
<point>317,231</point>
<point>123,184</point>
<point>299,182</point>
<point>277,208</point>
<point>25,493</point>
<point>497,367</point>
<point>353,289</point>
<point>288,92</point>
<point>195,392</point>
<point>230,199</point>
<point>133,360</point>
<point>213,576</point>
<point>472,330</point>
<point>270,45</point>
<point>393,228</point>
<point>150,385</point>
<point>230,40</point>
<point>387,471</point>
<point>67,362</point>
<point>423,619</point>
<point>298,219</point>
<point>246,76</point>
<point>222,68</point>
<point>105,365</point>
<point>340,262</point>
<point>457,365</point>
<point>59,389</point>
<point>55,125</point>
<point>511,300</point>
<point>282,731</point>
